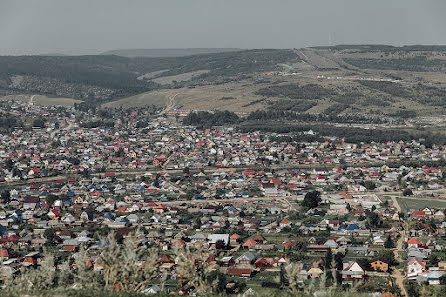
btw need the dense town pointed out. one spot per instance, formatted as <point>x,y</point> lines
<point>367,216</point>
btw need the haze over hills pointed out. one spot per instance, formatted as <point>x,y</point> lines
<point>52,54</point>
<point>110,77</point>
<point>370,80</point>
<point>169,52</point>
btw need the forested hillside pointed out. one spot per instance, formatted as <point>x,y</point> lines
<point>111,77</point>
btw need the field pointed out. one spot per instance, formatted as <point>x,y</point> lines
<point>179,77</point>
<point>231,96</point>
<point>414,204</point>
<point>157,98</point>
<point>332,92</point>
<point>43,100</point>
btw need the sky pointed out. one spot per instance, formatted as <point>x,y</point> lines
<point>94,26</point>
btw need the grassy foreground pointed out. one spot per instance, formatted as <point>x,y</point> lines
<point>94,293</point>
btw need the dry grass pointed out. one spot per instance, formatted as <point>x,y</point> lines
<point>165,80</point>
<point>158,98</point>
<point>210,97</point>
<point>199,98</point>
<point>43,100</point>
<point>48,101</point>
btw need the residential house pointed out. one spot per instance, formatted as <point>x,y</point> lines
<point>352,272</point>
<point>415,267</point>
<point>379,264</point>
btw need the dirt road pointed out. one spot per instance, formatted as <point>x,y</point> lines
<point>171,104</point>
<point>395,203</point>
<point>68,128</point>
<point>397,274</point>
<point>31,100</point>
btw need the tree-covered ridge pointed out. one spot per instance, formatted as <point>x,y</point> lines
<point>294,91</point>
<point>208,119</point>
<point>384,48</point>
<point>9,122</point>
<point>290,121</point>
<point>390,88</point>
<point>415,64</point>
<point>111,77</point>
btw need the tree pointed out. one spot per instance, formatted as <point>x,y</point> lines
<point>328,259</point>
<point>369,185</point>
<point>195,271</point>
<point>197,223</point>
<point>85,277</point>
<point>292,274</point>
<point>388,244</point>
<point>389,256</point>
<point>407,192</point>
<point>282,276</point>
<point>219,279</point>
<point>39,122</point>
<point>373,219</point>
<point>9,164</point>
<point>51,198</point>
<point>120,271</point>
<point>85,173</point>
<point>312,199</point>
<point>50,235</point>
<point>412,289</point>
<point>433,260</point>
<point>339,260</point>
<point>443,279</point>
<point>120,153</point>
<point>5,196</point>
<point>220,244</point>
<point>349,208</point>
<point>42,278</point>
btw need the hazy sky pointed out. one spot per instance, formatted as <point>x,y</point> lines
<point>93,26</point>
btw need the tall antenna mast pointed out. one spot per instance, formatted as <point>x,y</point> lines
<point>330,40</point>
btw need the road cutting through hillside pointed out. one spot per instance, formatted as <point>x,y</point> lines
<point>171,104</point>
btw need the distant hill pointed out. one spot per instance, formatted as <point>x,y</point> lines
<point>107,77</point>
<point>384,47</point>
<point>53,55</point>
<point>172,52</point>
<point>375,81</point>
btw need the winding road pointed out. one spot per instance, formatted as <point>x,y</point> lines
<point>31,100</point>
<point>170,105</point>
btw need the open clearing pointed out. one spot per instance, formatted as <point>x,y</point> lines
<point>165,80</point>
<point>407,204</point>
<point>42,100</point>
<point>230,96</point>
<point>157,98</point>
<point>240,96</point>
